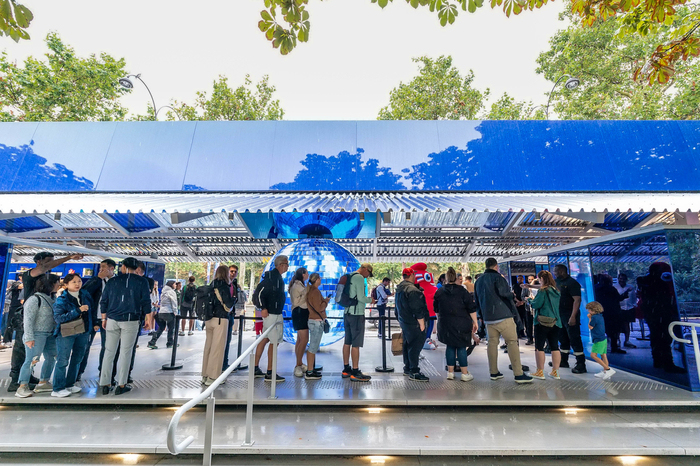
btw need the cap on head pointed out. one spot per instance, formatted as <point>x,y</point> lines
<point>367,266</point>
<point>407,272</point>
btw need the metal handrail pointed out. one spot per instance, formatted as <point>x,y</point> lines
<point>693,335</point>
<point>176,448</point>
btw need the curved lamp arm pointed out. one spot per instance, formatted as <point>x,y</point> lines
<point>546,111</point>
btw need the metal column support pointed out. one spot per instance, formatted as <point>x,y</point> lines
<point>209,431</point>
<point>249,404</point>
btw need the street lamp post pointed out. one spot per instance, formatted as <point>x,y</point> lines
<point>570,84</point>
<point>127,83</point>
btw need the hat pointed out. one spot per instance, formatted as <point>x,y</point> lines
<point>369,268</point>
<point>408,271</point>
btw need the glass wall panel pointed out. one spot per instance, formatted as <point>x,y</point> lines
<point>684,251</point>
<point>646,305</point>
<point>580,270</point>
<point>504,269</point>
<point>5,256</point>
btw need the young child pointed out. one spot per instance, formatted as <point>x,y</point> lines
<point>600,342</point>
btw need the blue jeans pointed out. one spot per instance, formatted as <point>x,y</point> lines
<point>71,351</point>
<point>44,343</point>
<point>461,356</point>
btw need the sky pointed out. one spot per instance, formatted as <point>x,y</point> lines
<point>357,52</point>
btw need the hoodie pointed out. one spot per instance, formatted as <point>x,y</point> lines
<point>126,297</point>
<point>168,301</point>
<point>410,303</point>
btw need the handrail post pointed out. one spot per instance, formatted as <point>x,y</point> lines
<point>383,367</point>
<point>696,348</point>
<point>273,390</point>
<point>209,431</point>
<point>249,405</point>
<point>173,366</point>
<point>693,338</point>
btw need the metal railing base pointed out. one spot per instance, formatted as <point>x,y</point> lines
<point>173,367</point>
<point>384,369</point>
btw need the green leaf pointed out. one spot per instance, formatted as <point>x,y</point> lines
<point>382,3</point>
<point>23,16</point>
<point>266,16</point>
<point>6,12</point>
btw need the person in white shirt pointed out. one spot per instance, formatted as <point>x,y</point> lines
<point>383,294</point>
<point>628,306</point>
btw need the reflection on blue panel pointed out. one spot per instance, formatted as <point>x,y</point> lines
<point>331,261</point>
<point>58,146</point>
<point>148,156</point>
<point>553,156</point>
<point>134,223</point>
<point>621,221</point>
<point>295,225</point>
<point>22,224</point>
<point>15,139</point>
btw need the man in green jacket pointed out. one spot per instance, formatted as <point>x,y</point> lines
<point>354,320</point>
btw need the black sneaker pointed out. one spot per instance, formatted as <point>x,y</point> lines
<point>12,387</point>
<point>170,346</point>
<point>358,376</point>
<point>579,369</point>
<point>258,373</point>
<point>524,367</point>
<point>122,390</point>
<point>129,380</point>
<point>563,364</point>
<point>503,346</point>
<point>407,373</point>
<point>347,372</point>
<point>268,377</point>
<point>496,376</point>
<point>523,379</point>
<point>418,377</point>
<point>312,375</point>
<point>318,368</point>
<point>106,389</point>
<point>152,345</point>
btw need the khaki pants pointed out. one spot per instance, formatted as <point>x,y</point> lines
<point>214,347</point>
<point>508,330</point>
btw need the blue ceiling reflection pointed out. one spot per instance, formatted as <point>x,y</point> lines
<point>22,224</point>
<point>511,156</point>
<point>300,225</point>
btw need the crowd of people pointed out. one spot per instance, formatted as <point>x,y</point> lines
<point>60,318</point>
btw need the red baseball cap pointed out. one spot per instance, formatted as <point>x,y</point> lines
<point>408,271</point>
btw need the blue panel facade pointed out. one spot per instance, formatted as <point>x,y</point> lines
<point>550,156</point>
<point>22,224</point>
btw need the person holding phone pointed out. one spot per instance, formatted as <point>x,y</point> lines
<point>317,305</point>
<point>74,304</point>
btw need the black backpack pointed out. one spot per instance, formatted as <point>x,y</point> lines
<point>203,304</point>
<point>190,293</point>
<point>258,291</point>
<point>342,291</point>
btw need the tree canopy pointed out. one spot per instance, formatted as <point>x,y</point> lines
<point>439,92</point>
<point>226,103</point>
<point>605,61</point>
<point>284,22</point>
<point>63,87</point>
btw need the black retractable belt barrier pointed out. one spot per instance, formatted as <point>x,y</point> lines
<point>384,367</point>
<point>175,364</point>
<point>241,326</point>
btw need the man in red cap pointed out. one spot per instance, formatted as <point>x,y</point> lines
<point>413,314</point>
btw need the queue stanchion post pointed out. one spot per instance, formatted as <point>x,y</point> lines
<point>383,367</point>
<point>174,363</point>
<point>241,326</point>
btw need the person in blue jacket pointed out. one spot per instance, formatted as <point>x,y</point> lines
<point>73,304</point>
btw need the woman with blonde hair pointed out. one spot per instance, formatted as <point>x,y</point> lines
<point>300,317</point>
<point>216,327</point>
<point>547,323</point>
<point>317,316</point>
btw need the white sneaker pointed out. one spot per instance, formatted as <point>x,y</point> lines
<point>609,373</point>
<point>75,389</point>
<point>600,374</point>
<point>298,371</point>
<point>304,368</point>
<point>23,392</point>
<point>62,394</point>
<point>467,377</point>
<point>450,376</point>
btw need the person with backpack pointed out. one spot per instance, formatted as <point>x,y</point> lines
<point>354,298</point>
<point>270,297</point>
<point>216,326</point>
<point>547,323</point>
<point>186,309</point>
<point>166,315</point>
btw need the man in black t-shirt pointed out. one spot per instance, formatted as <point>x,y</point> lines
<point>15,293</point>
<point>570,313</point>
<point>44,261</point>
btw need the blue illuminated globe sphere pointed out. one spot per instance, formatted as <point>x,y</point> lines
<point>331,261</point>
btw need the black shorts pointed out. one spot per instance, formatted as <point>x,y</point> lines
<point>354,330</point>
<point>546,334</point>
<point>187,311</point>
<point>300,318</point>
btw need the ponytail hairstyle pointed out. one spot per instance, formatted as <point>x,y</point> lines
<point>312,279</point>
<point>451,275</point>
<point>546,280</point>
<point>298,276</point>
